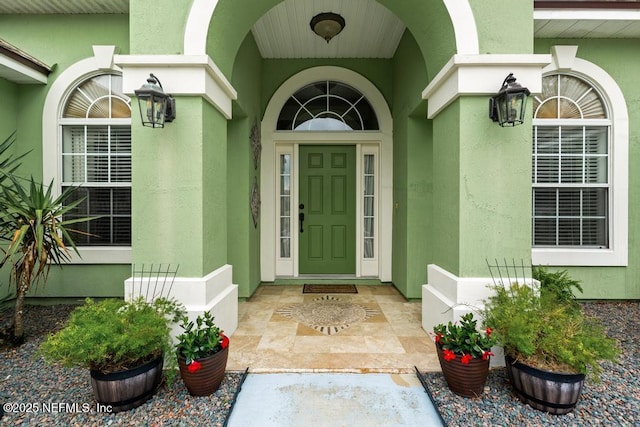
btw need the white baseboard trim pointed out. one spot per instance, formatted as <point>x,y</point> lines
<point>447,297</point>
<point>214,292</point>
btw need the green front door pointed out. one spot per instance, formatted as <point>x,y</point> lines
<point>327,236</point>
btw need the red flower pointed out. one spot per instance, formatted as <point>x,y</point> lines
<point>225,342</point>
<point>448,355</point>
<point>486,355</point>
<point>194,366</point>
<point>439,338</point>
<point>489,331</point>
<point>466,358</point>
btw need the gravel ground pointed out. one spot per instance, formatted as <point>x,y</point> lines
<point>615,401</point>
<point>25,380</point>
<point>28,384</point>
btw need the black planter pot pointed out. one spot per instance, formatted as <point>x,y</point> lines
<point>124,390</point>
<point>546,391</point>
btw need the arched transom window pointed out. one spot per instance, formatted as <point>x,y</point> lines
<point>327,106</point>
<point>571,165</point>
<point>96,156</point>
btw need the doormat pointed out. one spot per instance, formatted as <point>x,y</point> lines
<point>329,289</point>
<point>328,314</point>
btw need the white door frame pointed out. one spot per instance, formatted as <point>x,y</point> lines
<point>275,143</point>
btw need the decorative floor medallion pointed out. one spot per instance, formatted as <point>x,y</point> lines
<point>327,314</point>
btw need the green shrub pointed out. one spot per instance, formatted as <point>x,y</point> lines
<point>113,335</point>
<point>539,329</point>
<point>559,283</point>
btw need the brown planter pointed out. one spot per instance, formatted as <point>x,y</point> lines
<point>124,390</point>
<point>546,391</point>
<point>466,380</point>
<point>207,379</point>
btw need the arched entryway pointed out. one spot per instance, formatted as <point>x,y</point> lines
<point>284,248</point>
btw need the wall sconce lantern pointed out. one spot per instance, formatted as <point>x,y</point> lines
<point>327,25</point>
<point>156,107</point>
<point>508,105</point>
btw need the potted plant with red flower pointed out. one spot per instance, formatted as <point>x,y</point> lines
<point>464,353</point>
<point>202,351</point>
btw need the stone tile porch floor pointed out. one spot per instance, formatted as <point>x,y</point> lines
<point>391,342</point>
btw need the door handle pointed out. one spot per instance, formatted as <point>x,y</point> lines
<point>301,217</point>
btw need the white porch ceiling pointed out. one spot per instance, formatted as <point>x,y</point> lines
<point>63,6</point>
<point>587,23</point>
<point>371,30</point>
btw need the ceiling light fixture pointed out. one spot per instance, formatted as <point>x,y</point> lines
<point>327,25</point>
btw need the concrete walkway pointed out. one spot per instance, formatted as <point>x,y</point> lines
<point>333,399</point>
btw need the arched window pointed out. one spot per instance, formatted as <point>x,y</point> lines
<point>96,156</point>
<point>327,106</point>
<point>571,165</point>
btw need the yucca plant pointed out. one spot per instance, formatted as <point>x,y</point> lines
<point>32,222</point>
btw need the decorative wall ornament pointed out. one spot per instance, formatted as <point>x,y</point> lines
<point>255,201</point>
<point>256,144</point>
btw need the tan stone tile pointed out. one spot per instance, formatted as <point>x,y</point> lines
<point>420,344</point>
<point>264,298</point>
<point>346,344</point>
<point>408,329</point>
<point>304,330</point>
<point>270,290</point>
<point>390,298</point>
<point>276,317</point>
<point>376,329</point>
<point>250,328</point>
<point>312,344</point>
<point>383,344</point>
<point>258,316</point>
<point>282,328</point>
<point>383,290</point>
<point>242,343</point>
<point>278,344</point>
<point>291,299</point>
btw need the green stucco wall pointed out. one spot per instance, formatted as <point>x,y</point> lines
<point>461,183</point>
<point>158,27</point>
<point>277,71</point>
<point>8,119</point>
<point>8,108</point>
<point>481,189</point>
<point>495,195</point>
<point>179,190</point>
<point>504,26</point>
<point>412,171</point>
<point>59,41</point>
<point>620,60</point>
<point>244,245</point>
<point>446,189</point>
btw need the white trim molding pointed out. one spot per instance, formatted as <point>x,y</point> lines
<point>191,75</point>
<point>482,75</point>
<point>19,72</point>
<point>201,12</point>
<point>214,292</point>
<point>447,297</point>
<point>277,142</point>
<point>101,62</point>
<point>464,26</point>
<point>586,14</point>
<point>617,253</point>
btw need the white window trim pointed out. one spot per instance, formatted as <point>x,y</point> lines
<point>617,253</point>
<point>382,139</point>
<point>52,149</point>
